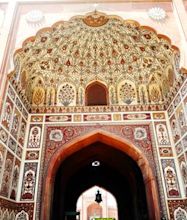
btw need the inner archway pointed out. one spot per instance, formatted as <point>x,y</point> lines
<point>89,209</point>
<point>125,172</point>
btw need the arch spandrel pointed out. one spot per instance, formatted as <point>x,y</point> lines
<point>96,47</point>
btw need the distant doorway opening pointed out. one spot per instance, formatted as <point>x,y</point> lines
<point>89,209</point>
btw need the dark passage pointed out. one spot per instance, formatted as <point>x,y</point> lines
<point>118,174</point>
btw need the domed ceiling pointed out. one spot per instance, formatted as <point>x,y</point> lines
<point>135,64</point>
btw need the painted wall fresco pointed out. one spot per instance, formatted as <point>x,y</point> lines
<point>13,124</point>
<point>16,211</point>
<point>141,134</point>
<point>6,181</point>
<point>2,159</point>
<point>34,136</point>
<point>29,181</point>
<point>15,179</point>
<point>183,169</point>
<point>177,113</point>
<point>170,177</point>
<point>174,128</point>
<point>181,119</point>
<point>162,133</point>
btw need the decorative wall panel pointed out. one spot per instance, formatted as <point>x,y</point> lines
<point>2,159</point>
<point>97,117</point>
<point>159,116</point>
<point>175,207</point>
<point>13,210</point>
<point>170,110</point>
<point>183,169</point>
<point>12,144</point>
<point>7,114</point>
<point>139,116</point>
<point>11,92</point>
<point>29,181</point>
<point>32,155</point>
<point>181,119</point>
<point>19,105</point>
<point>3,135</point>
<point>37,118</point>
<point>15,123</point>
<point>22,131</point>
<point>15,179</point>
<point>180,214</point>
<point>165,152</point>
<point>184,89</point>
<point>162,133</point>
<point>179,148</point>
<point>185,105</point>
<point>34,136</point>
<point>6,181</point>
<point>184,142</point>
<point>177,100</point>
<point>170,177</point>
<point>175,129</point>
<point>58,118</point>
<point>19,152</point>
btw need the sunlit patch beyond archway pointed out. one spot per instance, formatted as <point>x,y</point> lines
<point>89,209</point>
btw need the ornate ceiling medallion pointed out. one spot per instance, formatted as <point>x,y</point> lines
<point>95,19</point>
<point>157,13</point>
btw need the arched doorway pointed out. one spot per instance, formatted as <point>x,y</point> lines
<point>90,209</point>
<point>125,172</point>
<point>96,94</point>
<point>94,210</point>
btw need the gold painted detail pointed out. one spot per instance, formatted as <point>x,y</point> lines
<point>95,20</point>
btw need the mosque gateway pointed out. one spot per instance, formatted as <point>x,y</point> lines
<point>93,110</point>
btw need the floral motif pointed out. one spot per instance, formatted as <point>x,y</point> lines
<point>96,47</point>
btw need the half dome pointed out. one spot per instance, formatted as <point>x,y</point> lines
<point>135,63</point>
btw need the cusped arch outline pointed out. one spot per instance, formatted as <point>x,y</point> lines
<point>31,39</point>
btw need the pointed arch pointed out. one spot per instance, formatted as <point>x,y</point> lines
<point>114,141</point>
<point>96,94</point>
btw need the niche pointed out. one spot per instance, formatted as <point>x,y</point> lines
<point>96,94</point>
